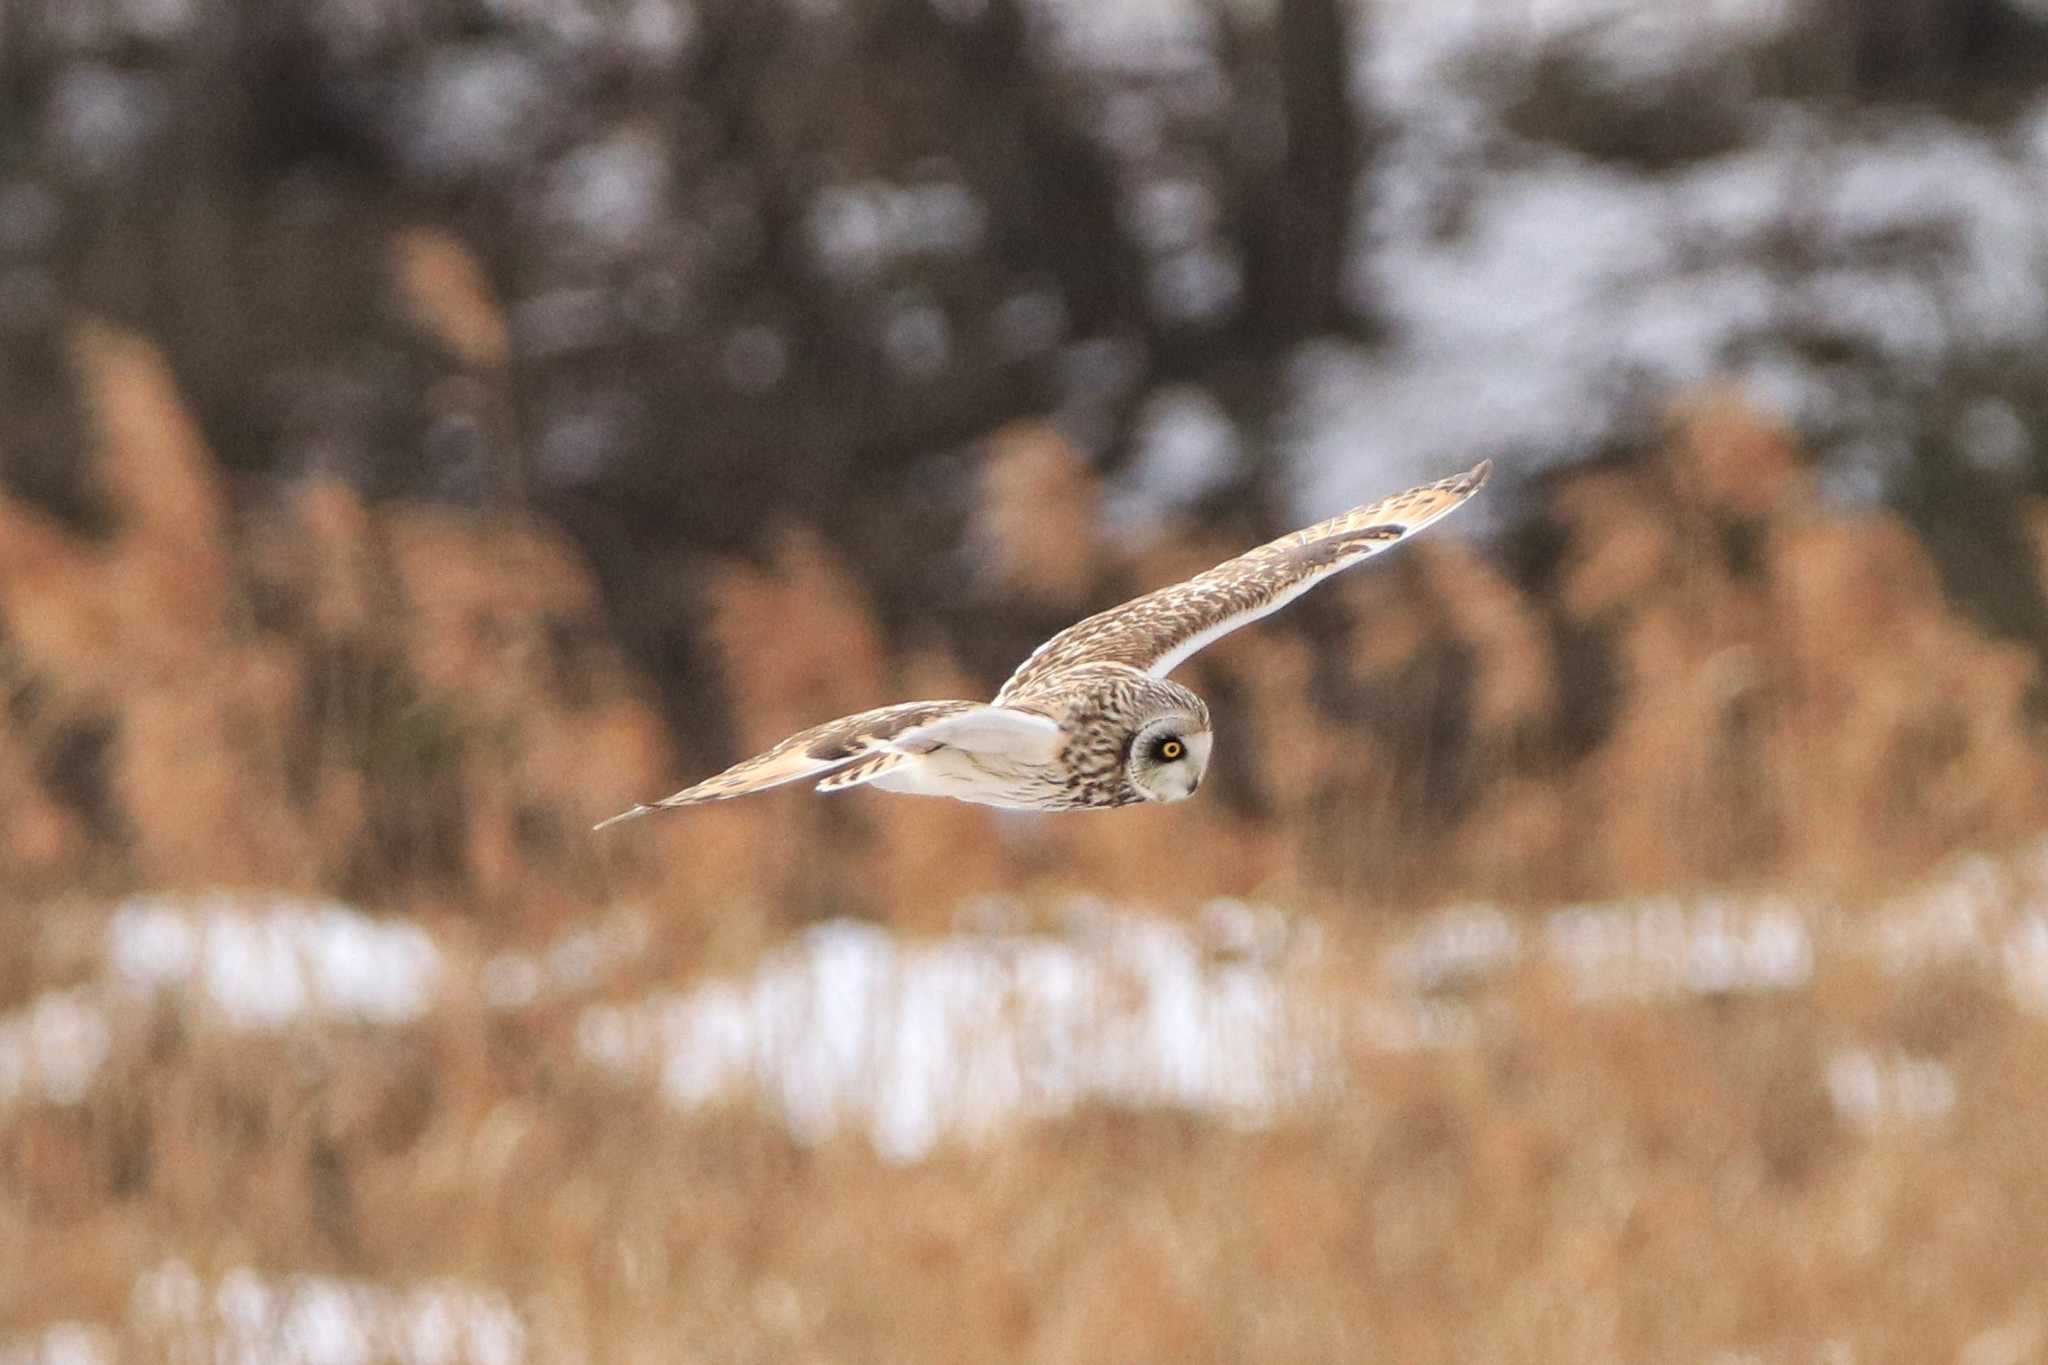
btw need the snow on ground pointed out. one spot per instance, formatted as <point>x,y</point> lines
<point>576,962</point>
<point>1709,946</point>
<point>1659,947</point>
<point>1464,943</point>
<point>251,1318</point>
<point>1534,297</point>
<point>2024,956</point>
<point>1539,302</point>
<point>247,962</point>
<point>916,1042</point>
<point>1871,1087</point>
<point>54,1048</point>
<point>1416,48</point>
<point>1149,36</point>
<point>1569,290</point>
<point>266,964</point>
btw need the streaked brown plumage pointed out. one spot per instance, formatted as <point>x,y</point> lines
<point>1089,721</point>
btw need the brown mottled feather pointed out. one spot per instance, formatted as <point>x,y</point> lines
<point>808,753</point>
<point>1154,633</point>
<point>864,770</point>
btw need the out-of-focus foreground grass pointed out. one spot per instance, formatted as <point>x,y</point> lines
<point>1839,1167</point>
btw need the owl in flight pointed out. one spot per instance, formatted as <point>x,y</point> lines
<point>1089,721</point>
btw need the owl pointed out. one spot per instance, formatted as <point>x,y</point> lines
<point>1090,721</point>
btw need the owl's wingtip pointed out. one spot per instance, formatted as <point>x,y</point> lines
<point>1480,473</point>
<point>622,817</point>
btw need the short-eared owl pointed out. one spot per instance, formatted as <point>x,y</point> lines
<point>1089,721</point>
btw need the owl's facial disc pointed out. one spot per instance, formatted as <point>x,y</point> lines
<point>1169,757</point>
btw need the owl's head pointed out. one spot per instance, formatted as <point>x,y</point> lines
<point>1169,756</point>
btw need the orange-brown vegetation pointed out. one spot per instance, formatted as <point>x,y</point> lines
<point>1642,1182</point>
<point>1707,678</point>
<point>304,693</point>
<point>1693,673</point>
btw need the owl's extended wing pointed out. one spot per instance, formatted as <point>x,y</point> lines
<point>856,749</point>
<point>1158,631</point>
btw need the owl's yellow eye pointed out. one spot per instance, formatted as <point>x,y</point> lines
<point>1172,750</point>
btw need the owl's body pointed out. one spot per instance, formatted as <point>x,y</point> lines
<point>1089,721</point>
<point>1097,709</point>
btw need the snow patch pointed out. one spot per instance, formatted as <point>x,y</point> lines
<point>265,965</point>
<point>919,1042</point>
<point>1870,1087</point>
<point>1538,300</point>
<point>248,1317</point>
<point>53,1049</point>
<point>1664,947</point>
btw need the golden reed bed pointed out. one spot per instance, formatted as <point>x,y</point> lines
<point>1679,673</point>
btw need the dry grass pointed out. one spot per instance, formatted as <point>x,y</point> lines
<point>1700,679</point>
<point>1632,1181</point>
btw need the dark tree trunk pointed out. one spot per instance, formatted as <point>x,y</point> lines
<point>1300,227</point>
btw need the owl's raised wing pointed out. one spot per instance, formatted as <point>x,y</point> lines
<point>856,749</point>
<point>1158,631</point>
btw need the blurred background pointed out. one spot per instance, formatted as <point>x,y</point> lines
<point>1618,926</point>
